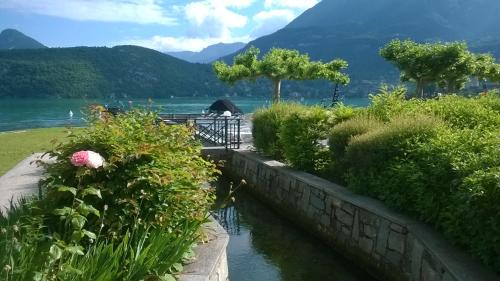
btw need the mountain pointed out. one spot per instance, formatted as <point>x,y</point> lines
<point>355,30</point>
<point>210,53</point>
<point>13,39</point>
<point>122,71</point>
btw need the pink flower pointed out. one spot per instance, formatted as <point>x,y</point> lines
<point>87,158</point>
<point>80,158</point>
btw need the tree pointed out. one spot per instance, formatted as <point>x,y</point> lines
<point>278,65</point>
<point>486,68</point>
<point>449,64</point>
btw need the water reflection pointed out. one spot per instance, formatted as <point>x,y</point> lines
<point>265,247</point>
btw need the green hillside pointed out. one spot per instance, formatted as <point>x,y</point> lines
<point>122,71</point>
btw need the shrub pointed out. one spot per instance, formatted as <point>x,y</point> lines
<point>341,134</point>
<point>388,103</point>
<point>265,126</point>
<point>133,218</point>
<point>379,163</point>
<point>300,134</point>
<point>153,171</point>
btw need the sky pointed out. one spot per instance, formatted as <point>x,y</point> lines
<point>164,25</point>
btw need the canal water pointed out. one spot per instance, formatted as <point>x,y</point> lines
<point>264,246</point>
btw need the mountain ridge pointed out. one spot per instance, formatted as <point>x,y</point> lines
<point>210,53</point>
<point>13,39</point>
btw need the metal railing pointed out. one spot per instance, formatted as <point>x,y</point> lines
<point>212,130</point>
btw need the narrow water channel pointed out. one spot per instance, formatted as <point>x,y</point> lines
<point>263,246</point>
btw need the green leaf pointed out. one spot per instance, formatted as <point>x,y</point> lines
<point>91,191</point>
<point>72,190</point>
<point>166,277</point>
<point>55,252</point>
<point>85,210</point>
<point>89,234</point>
<point>75,250</point>
<point>78,221</point>
<point>177,267</point>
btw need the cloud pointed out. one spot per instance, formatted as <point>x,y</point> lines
<point>267,22</point>
<point>172,44</point>
<point>293,4</point>
<point>214,18</point>
<point>132,11</point>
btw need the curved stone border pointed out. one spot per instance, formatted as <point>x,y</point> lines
<point>210,263</point>
<point>389,245</point>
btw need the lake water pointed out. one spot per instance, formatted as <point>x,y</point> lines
<point>16,114</point>
<point>263,246</point>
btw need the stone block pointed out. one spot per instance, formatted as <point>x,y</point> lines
<point>369,231</point>
<point>348,208</point>
<point>382,237</point>
<point>317,202</point>
<point>399,228</point>
<point>366,244</point>
<point>355,227</point>
<point>417,251</point>
<point>394,258</point>
<point>344,217</point>
<point>397,242</point>
<point>429,273</point>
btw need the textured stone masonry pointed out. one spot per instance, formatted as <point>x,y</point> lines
<point>389,245</point>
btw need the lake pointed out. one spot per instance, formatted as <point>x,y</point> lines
<point>17,114</point>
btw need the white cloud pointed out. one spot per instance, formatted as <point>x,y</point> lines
<point>172,44</point>
<point>267,22</point>
<point>214,18</point>
<point>294,4</point>
<point>133,11</point>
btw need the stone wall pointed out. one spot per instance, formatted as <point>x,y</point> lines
<point>385,243</point>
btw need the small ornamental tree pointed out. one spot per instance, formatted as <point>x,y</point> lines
<point>448,64</point>
<point>278,65</point>
<point>486,68</point>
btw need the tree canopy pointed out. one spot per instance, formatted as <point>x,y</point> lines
<point>447,64</point>
<point>278,65</point>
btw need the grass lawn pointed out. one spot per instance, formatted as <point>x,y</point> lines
<point>17,145</point>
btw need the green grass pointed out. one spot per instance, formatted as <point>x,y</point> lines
<point>17,145</point>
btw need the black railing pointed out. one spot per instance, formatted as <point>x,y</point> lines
<point>212,130</point>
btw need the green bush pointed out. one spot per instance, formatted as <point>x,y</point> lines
<point>372,156</point>
<point>265,126</point>
<point>300,135</point>
<point>342,133</point>
<point>137,214</point>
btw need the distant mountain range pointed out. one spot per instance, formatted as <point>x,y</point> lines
<point>210,53</point>
<point>355,30</point>
<point>11,39</point>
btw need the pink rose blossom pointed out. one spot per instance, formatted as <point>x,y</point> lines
<point>80,158</point>
<point>87,158</point>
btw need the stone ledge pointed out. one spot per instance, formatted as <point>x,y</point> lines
<point>388,244</point>
<point>210,263</point>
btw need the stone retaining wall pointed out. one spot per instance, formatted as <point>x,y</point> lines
<point>387,244</point>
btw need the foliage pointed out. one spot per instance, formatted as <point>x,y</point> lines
<point>122,71</point>
<point>436,159</point>
<point>138,214</point>
<point>277,65</point>
<point>153,171</point>
<point>265,126</point>
<point>449,64</point>
<point>300,134</point>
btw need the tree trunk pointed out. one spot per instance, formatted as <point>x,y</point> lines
<point>276,91</point>
<point>420,89</point>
